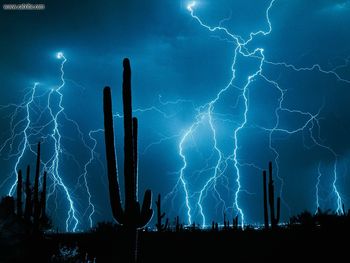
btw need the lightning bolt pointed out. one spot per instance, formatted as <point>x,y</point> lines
<point>217,164</point>
<point>44,122</point>
<point>317,186</point>
<point>91,206</point>
<point>25,142</point>
<point>161,109</point>
<point>205,114</point>
<point>56,136</point>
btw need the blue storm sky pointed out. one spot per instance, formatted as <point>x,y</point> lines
<point>178,66</point>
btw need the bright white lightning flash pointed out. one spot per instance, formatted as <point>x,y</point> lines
<point>205,114</point>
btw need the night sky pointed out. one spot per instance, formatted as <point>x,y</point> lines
<point>178,68</point>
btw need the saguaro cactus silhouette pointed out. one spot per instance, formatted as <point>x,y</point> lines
<point>19,193</point>
<point>271,200</point>
<point>266,215</point>
<point>177,224</point>
<point>160,216</point>
<point>131,216</point>
<point>36,203</point>
<point>43,198</point>
<point>28,209</point>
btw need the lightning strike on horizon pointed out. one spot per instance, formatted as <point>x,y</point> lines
<point>205,113</point>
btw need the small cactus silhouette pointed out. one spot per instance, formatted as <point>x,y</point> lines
<point>160,227</point>
<point>271,201</point>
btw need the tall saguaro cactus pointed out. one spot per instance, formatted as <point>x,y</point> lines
<point>271,200</point>
<point>132,217</point>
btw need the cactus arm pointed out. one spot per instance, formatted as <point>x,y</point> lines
<point>146,211</point>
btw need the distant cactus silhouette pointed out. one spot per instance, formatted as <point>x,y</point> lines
<point>36,204</point>
<point>225,223</point>
<point>271,200</point>
<point>235,222</point>
<point>19,193</point>
<point>266,215</point>
<point>43,198</point>
<point>160,227</point>
<point>28,209</point>
<point>177,224</point>
<point>35,208</point>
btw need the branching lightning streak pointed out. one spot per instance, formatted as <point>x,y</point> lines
<point>36,125</point>
<point>241,49</point>
<point>25,136</point>
<point>317,186</point>
<point>85,174</point>
<point>161,110</point>
<point>205,114</point>
<point>56,136</point>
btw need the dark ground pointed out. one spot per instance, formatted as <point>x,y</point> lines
<point>283,245</point>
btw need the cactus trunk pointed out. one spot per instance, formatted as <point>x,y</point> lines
<point>266,215</point>
<point>274,219</point>
<point>43,198</point>
<point>19,193</point>
<point>271,196</point>
<point>129,175</point>
<point>36,203</point>
<point>28,210</point>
